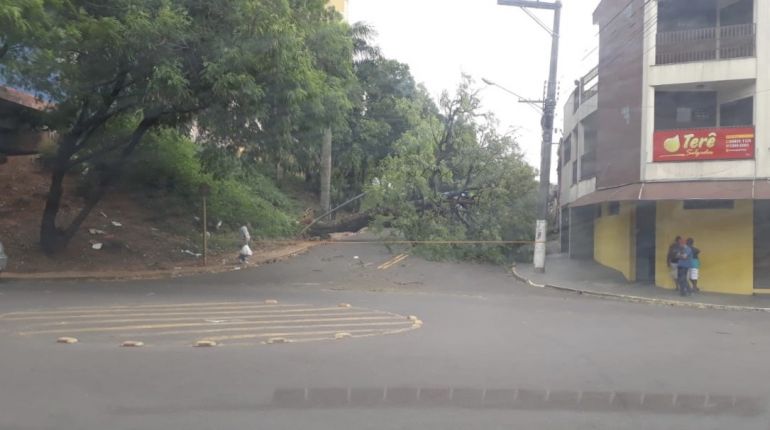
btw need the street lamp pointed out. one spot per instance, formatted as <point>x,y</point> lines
<point>532,103</point>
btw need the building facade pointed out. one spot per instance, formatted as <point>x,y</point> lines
<point>670,135</point>
<point>20,130</point>
<point>341,6</point>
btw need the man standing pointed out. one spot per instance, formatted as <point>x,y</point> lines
<point>694,264</point>
<point>672,259</point>
<point>683,267</point>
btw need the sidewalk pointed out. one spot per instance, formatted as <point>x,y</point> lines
<point>591,278</point>
<point>259,258</point>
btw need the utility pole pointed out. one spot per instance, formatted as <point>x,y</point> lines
<point>549,110</point>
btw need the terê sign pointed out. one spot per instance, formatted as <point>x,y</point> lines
<point>728,143</point>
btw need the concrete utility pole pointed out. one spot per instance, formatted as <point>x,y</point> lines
<point>549,110</point>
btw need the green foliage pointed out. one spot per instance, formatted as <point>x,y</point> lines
<point>258,81</point>
<point>261,74</point>
<point>442,155</point>
<point>172,165</point>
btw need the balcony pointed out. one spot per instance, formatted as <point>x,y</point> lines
<point>706,44</point>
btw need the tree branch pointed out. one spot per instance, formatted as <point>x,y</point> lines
<point>111,175</point>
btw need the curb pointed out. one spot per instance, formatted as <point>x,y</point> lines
<point>638,299</point>
<point>271,257</point>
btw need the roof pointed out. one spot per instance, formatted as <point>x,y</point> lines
<point>758,189</point>
<point>22,98</point>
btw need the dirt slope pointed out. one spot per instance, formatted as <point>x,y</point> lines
<point>140,240</point>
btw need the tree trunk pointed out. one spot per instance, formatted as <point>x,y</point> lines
<point>54,239</point>
<point>51,238</point>
<point>352,224</point>
<point>326,170</point>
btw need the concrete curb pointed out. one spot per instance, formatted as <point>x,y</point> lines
<point>638,299</point>
<point>269,257</point>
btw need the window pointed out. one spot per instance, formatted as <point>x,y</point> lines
<point>574,172</point>
<point>614,208</point>
<point>737,113</point>
<point>709,204</point>
<point>567,149</point>
<point>685,109</point>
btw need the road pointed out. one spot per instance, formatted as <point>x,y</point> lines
<point>324,341</point>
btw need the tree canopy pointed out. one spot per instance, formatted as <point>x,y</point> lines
<point>242,91</point>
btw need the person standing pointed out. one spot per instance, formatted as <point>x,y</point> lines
<point>683,267</point>
<point>694,265</point>
<point>672,259</point>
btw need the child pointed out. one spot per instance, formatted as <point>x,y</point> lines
<point>694,265</point>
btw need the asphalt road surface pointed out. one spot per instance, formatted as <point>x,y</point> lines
<point>352,336</point>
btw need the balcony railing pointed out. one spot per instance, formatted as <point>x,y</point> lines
<point>588,86</point>
<point>706,44</point>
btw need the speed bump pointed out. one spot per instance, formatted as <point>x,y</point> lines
<point>204,344</point>
<point>132,344</point>
<point>67,340</point>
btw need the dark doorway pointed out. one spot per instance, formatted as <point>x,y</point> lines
<point>762,244</point>
<point>564,232</point>
<point>581,232</point>
<point>645,242</point>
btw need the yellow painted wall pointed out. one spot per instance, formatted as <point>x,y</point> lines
<point>340,5</point>
<point>613,240</point>
<point>725,238</point>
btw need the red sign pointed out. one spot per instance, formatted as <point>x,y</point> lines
<point>733,143</point>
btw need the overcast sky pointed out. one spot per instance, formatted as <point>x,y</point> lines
<point>441,39</point>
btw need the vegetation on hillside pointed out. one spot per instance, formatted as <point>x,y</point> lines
<point>160,96</point>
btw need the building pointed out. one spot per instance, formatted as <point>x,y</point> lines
<point>341,6</point>
<point>20,131</point>
<point>670,135</point>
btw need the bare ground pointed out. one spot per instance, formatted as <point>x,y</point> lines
<point>133,236</point>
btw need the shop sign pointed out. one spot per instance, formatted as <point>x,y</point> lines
<point>728,143</point>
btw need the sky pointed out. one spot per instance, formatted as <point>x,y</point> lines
<point>442,39</point>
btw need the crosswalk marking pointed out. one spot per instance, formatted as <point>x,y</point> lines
<point>108,311</point>
<point>300,329</point>
<point>155,306</point>
<point>205,317</point>
<point>168,324</point>
<point>201,312</point>
<point>279,334</point>
<point>204,324</point>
